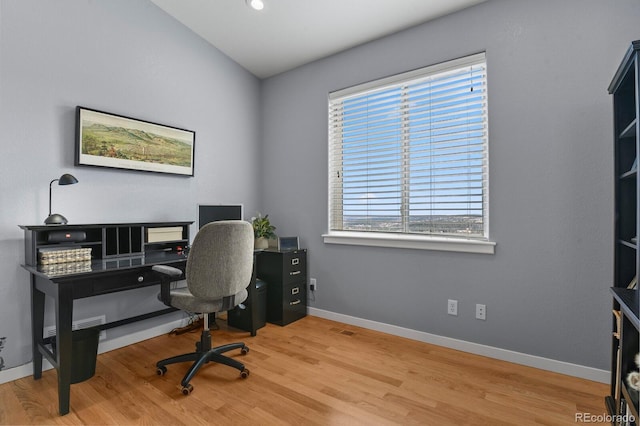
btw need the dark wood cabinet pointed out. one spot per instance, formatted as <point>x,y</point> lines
<point>286,276</point>
<point>69,262</point>
<point>622,401</point>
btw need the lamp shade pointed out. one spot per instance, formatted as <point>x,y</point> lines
<point>67,179</point>
<point>56,218</point>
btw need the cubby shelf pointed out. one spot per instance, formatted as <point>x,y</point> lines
<point>106,241</point>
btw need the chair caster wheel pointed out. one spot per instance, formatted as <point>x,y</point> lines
<point>244,373</point>
<point>160,371</point>
<point>244,350</point>
<point>186,390</point>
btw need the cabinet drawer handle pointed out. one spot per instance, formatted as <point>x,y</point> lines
<point>295,260</point>
<point>295,290</point>
<point>295,302</point>
<point>295,273</point>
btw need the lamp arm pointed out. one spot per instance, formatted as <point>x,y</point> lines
<point>50,183</point>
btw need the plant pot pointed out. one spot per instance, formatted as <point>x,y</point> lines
<point>261,243</point>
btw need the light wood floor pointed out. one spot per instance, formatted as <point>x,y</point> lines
<point>313,371</point>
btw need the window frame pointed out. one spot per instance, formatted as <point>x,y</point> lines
<point>404,239</point>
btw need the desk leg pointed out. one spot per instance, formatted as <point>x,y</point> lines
<point>64,315</point>
<point>37,325</point>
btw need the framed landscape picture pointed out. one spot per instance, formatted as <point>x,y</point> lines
<point>110,140</point>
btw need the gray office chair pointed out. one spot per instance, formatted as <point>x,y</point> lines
<point>218,272</point>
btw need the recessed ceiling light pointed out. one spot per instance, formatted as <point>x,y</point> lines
<point>255,4</point>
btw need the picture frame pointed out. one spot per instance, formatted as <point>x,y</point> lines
<point>115,141</point>
<point>284,243</point>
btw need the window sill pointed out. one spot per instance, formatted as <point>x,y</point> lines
<point>410,242</point>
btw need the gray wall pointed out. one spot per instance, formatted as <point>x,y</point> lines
<point>130,58</point>
<point>550,160</point>
<point>550,130</point>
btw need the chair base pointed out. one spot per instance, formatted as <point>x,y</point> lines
<point>204,354</point>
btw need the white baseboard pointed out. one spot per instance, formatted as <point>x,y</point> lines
<point>548,364</point>
<point>106,346</point>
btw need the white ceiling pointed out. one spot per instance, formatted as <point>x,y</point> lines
<point>290,33</point>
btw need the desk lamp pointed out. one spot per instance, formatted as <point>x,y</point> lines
<point>55,218</point>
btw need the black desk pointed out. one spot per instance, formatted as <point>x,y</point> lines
<point>102,275</point>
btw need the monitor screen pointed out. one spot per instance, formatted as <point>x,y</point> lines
<point>208,214</point>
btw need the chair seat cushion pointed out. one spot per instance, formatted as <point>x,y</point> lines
<point>181,298</point>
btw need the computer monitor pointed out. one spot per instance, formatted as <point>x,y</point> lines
<point>212,213</point>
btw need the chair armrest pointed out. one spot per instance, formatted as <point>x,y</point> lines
<point>167,274</point>
<point>169,271</point>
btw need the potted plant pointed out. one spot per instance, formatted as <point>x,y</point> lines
<point>262,231</point>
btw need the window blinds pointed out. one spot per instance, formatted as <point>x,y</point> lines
<point>408,154</point>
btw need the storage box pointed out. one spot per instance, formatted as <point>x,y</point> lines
<point>56,269</point>
<point>164,234</point>
<point>51,256</point>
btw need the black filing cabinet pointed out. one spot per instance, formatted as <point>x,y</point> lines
<point>286,277</point>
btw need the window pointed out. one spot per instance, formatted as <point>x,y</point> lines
<point>408,159</point>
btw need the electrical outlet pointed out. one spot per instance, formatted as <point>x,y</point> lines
<point>481,311</point>
<point>452,307</point>
<point>313,285</point>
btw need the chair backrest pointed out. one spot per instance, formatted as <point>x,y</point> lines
<point>220,261</point>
